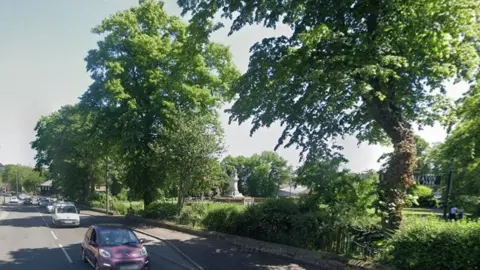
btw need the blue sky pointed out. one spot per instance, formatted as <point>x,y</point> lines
<point>43,44</point>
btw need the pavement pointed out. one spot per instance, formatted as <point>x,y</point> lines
<point>29,242</point>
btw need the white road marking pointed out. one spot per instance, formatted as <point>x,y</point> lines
<point>54,236</point>
<point>65,252</point>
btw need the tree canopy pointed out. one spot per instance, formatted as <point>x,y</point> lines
<point>364,68</point>
<point>148,66</point>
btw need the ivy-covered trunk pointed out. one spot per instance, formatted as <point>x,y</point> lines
<point>399,175</point>
<point>398,178</point>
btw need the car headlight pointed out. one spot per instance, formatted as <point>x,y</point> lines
<point>143,252</point>
<point>105,253</point>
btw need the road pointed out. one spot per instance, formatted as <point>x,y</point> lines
<point>27,241</point>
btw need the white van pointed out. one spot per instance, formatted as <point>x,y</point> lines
<point>66,215</point>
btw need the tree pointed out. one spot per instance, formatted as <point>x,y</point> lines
<point>260,175</point>
<point>347,194</point>
<point>461,149</point>
<point>365,68</point>
<point>422,151</point>
<point>66,146</point>
<point>188,154</point>
<point>148,66</point>
<point>28,180</point>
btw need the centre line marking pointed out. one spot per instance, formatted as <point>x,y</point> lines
<point>54,236</point>
<point>66,254</point>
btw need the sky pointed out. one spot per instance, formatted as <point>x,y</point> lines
<point>42,49</point>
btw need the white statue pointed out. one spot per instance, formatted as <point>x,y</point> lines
<point>233,185</point>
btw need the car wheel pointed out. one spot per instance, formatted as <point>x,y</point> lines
<point>84,257</point>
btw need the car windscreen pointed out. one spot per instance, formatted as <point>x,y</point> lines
<point>117,237</point>
<point>66,209</point>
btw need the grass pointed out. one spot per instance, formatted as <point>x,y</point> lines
<point>422,211</point>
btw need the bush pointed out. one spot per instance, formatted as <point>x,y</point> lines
<point>425,196</point>
<point>469,203</point>
<point>428,202</point>
<point>422,191</point>
<point>192,214</point>
<point>430,243</point>
<point>222,217</point>
<point>160,210</point>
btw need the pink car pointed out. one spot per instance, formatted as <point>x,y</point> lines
<point>114,247</point>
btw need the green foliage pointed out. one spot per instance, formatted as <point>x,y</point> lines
<point>65,145</point>
<point>425,197</point>
<point>422,191</point>
<point>284,220</point>
<point>344,193</point>
<point>188,154</point>
<point>223,217</point>
<point>148,67</point>
<point>435,244</point>
<point>261,174</point>
<point>160,210</point>
<point>28,179</point>
<point>363,68</point>
<point>468,203</point>
<point>335,76</point>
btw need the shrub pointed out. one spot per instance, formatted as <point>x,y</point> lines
<point>469,203</point>
<point>422,191</point>
<point>160,210</point>
<point>425,196</point>
<point>192,214</point>
<point>223,217</point>
<point>430,243</point>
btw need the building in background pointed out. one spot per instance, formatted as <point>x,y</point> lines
<point>46,188</point>
<point>292,190</point>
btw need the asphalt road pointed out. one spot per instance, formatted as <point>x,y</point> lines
<point>27,241</point>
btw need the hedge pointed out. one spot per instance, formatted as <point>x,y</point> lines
<point>431,243</point>
<point>282,221</point>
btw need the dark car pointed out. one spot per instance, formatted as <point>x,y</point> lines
<point>27,201</point>
<point>114,247</point>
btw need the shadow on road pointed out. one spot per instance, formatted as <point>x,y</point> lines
<point>21,208</point>
<point>40,258</point>
<point>218,255</point>
<point>161,258</point>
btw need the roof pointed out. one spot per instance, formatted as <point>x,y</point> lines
<point>295,190</point>
<point>110,226</point>
<point>47,183</point>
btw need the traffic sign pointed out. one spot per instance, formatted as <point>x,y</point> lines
<point>429,180</point>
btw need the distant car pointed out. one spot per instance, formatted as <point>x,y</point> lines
<point>50,207</point>
<point>14,200</point>
<point>66,215</point>
<point>27,201</point>
<point>114,247</point>
<point>43,202</point>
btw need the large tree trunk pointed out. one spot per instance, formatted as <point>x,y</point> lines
<point>399,175</point>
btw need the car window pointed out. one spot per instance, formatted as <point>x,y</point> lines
<point>66,209</point>
<point>93,238</point>
<point>117,237</point>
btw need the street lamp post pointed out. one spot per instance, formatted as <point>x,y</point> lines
<point>16,178</point>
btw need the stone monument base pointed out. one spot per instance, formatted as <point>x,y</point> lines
<point>235,200</point>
